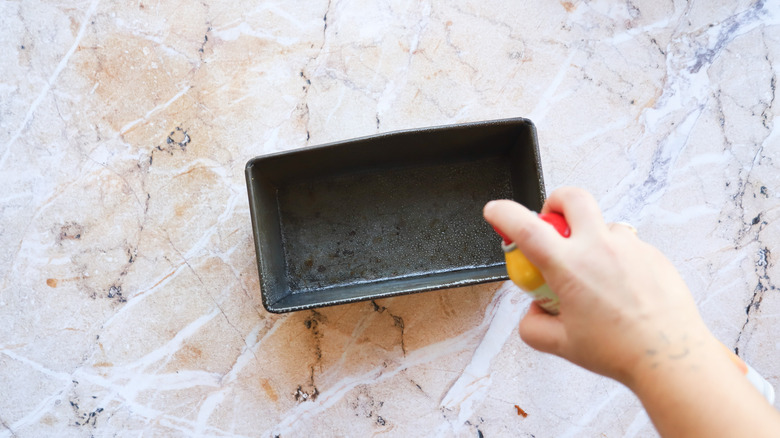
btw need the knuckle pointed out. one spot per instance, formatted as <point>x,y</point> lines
<point>570,192</point>
<point>582,197</point>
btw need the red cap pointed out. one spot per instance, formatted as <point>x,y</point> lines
<point>507,241</point>
<point>558,222</point>
<point>555,219</point>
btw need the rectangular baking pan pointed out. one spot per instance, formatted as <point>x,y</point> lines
<point>389,214</point>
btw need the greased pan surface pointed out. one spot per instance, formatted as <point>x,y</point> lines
<point>389,214</point>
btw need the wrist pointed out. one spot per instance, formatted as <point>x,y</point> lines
<point>684,389</point>
<point>671,358</point>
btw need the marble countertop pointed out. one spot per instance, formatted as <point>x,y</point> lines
<point>129,295</point>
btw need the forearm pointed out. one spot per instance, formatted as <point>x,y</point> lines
<point>691,388</point>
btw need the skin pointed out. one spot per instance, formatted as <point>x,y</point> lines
<point>626,313</point>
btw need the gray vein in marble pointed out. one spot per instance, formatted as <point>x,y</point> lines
<point>689,87</point>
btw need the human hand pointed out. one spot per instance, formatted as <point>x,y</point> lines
<point>622,303</point>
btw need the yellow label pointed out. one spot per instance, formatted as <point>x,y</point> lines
<point>522,272</point>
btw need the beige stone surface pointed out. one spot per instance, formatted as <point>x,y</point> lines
<point>129,297</point>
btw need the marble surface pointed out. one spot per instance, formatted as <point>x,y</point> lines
<point>129,297</point>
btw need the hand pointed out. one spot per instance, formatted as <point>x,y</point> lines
<point>626,313</point>
<point>621,301</point>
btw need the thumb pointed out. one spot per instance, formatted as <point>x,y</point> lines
<point>542,331</point>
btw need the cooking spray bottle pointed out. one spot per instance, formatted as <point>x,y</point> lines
<point>528,278</point>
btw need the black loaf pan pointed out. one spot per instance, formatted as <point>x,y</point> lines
<point>389,214</point>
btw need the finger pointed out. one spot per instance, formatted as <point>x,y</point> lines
<point>622,228</point>
<point>578,207</point>
<point>542,331</point>
<point>535,238</point>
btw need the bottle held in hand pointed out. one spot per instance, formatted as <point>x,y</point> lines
<point>524,274</point>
